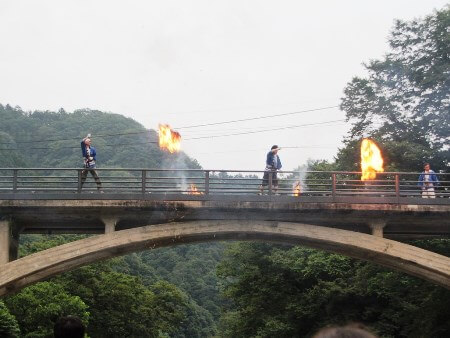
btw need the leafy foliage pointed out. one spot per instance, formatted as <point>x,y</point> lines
<point>192,268</point>
<point>404,102</point>
<point>9,328</point>
<point>129,296</point>
<point>293,291</point>
<point>37,308</point>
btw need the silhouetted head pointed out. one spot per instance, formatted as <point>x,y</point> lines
<point>68,327</point>
<point>349,331</point>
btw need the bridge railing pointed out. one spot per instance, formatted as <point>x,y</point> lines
<point>216,182</point>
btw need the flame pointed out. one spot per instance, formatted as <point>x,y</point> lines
<point>371,160</point>
<point>297,189</point>
<point>193,190</point>
<point>169,139</point>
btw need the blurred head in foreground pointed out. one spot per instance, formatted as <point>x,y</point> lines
<point>68,327</point>
<point>348,331</point>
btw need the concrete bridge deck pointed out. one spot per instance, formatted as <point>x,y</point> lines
<point>345,215</point>
<point>94,214</point>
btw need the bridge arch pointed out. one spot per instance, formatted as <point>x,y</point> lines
<point>399,256</point>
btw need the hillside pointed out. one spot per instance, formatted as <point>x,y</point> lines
<point>52,139</point>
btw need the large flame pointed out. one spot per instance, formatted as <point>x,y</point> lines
<point>371,160</point>
<point>193,190</point>
<point>169,139</point>
<point>297,189</point>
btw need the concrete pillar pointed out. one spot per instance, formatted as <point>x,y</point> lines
<point>9,242</point>
<point>110,223</point>
<point>376,226</point>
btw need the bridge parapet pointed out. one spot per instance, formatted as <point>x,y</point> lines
<point>200,184</point>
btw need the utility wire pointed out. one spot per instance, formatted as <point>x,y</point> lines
<point>318,146</point>
<point>185,127</point>
<point>256,118</point>
<point>265,130</point>
<point>193,138</point>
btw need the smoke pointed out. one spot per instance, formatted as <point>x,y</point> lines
<point>301,177</point>
<point>177,161</point>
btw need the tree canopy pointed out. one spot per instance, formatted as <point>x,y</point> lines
<point>48,139</point>
<point>404,101</point>
<point>283,291</point>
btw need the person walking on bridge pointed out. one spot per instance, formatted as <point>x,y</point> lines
<point>273,163</point>
<point>89,157</point>
<point>427,181</point>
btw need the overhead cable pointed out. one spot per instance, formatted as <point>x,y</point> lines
<point>188,139</point>
<point>256,118</point>
<point>265,130</point>
<point>184,127</point>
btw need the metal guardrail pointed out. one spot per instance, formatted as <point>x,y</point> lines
<point>214,182</point>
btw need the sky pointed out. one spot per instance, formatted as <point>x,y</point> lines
<point>199,62</point>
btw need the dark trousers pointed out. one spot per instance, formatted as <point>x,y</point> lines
<point>94,174</point>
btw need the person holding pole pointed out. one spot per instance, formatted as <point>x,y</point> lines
<point>89,158</point>
<point>273,163</point>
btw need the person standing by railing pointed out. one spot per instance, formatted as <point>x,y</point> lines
<point>427,181</point>
<point>89,157</point>
<point>273,163</point>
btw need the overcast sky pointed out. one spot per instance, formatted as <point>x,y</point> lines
<point>193,62</point>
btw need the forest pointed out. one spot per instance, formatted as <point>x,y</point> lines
<point>247,289</point>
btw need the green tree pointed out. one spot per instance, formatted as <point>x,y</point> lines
<point>151,267</point>
<point>121,305</point>
<point>37,308</point>
<point>9,328</point>
<point>288,291</point>
<point>9,159</point>
<point>403,103</point>
<point>192,268</point>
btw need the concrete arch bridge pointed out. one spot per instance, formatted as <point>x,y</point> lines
<point>366,223</point>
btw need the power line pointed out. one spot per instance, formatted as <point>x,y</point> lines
<point>265,130</point>
<point>194,138</point>
<point>318,146</point>
<point>240,108</point>
<point>256,118</point>
<point>185,127</point>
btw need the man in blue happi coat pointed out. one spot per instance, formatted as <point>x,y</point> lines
<point>89,158</point>
<point>273,163</point>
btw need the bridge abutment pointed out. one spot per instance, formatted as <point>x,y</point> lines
<point>9,242</point>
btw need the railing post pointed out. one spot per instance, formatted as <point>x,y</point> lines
<point>144,181</point>
<point>270,182</point>
<point>333,185</point>
<point>15,171</point>
<point>206,182</point>
<point>79,181</point>
<point>397,186</point>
